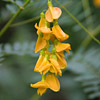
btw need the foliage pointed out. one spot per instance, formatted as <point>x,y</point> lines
<point>81,79</point>
<point>87,67</point>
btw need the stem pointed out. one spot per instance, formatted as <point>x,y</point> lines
<point>13,18</point>
<point>67,4</point>
<point>25,22</point>
<point>13,2</point>
<point>74,18</point>
<point>88,39</point>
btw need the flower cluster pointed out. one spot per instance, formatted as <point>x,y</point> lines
<point>50,63</point>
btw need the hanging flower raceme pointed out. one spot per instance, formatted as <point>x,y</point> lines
<point>50,63</point>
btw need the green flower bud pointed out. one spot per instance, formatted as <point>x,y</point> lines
<point>40,34</point>
<point>56,41</point>
<point>47,56</point>
<point>53,50</point>
<point>54,57</point>
<point>42,52</point>
<point>42,15</point>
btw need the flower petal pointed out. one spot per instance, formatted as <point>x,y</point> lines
<point>40,44</point>
<point>48,16</point>
<point>41,91</point>
<point>62,62</point>
<point>45,30</point>
<point>53,13</point>
<point>62,46</point>
<point>39,84</point>
<point>42,22</point>
<point>53,82</point>
<point>58,32</point>
<point>56,65</point>
<point>38,63</point>
<point>46,36</point>
<point>56,12</point>
<point>44,68</point>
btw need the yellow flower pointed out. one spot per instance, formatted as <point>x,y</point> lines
<point>55,68</point>
<point>42,87</point>
<point>53,82</point>
<point>96,3</point>
<point>46,36</point>
<point>41,22</point>
<point>62,46</point>
<point>44,67</point>
<point>44,29</point>
<point>40,44</point>
<point>52,13</point>
<point>61,60</point>
<point>61,54</point>
<point>39,61</point>
<point>58,32</point>
<point>50,82</point>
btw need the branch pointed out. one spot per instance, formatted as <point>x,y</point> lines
<point>88,38</point>
<point>13,18</point>
<point>74,18</point>
<point>25,22</point>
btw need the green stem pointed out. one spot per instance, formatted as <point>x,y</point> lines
<point>74,18</point>
<point>25,22</point>
<point>67,4</point>
<point>13,2</point>
<point>88,39</point>
<point>13,18</point>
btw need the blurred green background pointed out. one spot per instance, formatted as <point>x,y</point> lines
<point>80,80</point>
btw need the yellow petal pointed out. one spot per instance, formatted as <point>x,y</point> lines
<point>52,13</point>
<point>53,69</point>
<point>45,30</point>
<point>42,22</point>
<point>48,16</point>
<point>41,91</point>
<point>39,84</point>
<point>44,68</point>
<point>62,62</point>
<point>62,46</point>
<point>40,44</point>
<point>56,12</point>
<point>55,64</point>
<point>37,28</point>
<point>67,51</point>
<point>53,82</point>
<point>61,54</point>
<point>38,63</point>
<point>58,32</point>
<point>46,36</point>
